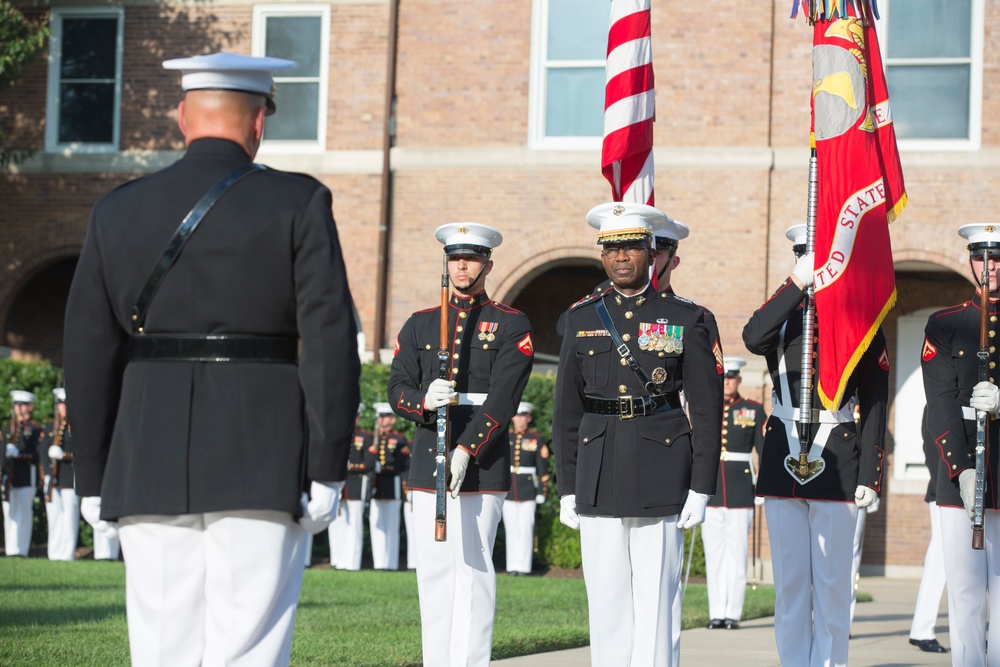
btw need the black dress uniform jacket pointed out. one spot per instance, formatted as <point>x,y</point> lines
<point>853,454</point>
<point>950,369</point>
<point>21,470</point>
<point>742,431</point>
<point>527,450</point>
<point>498,368</point>
<point>642,466</point>
<point>359,482</point>
<point>64,478</point>
<point>392,452</point>
<point>175,437</point>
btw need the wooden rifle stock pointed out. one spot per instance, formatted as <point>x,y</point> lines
<point>982,418</point>
<point>54,478</point>
<point>441,455</point>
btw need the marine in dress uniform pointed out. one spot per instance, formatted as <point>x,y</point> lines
<point>925,611</point>
<point>633,471</point>
<point>214,389</point>
<point>389,455</point>
<point>811,523</point>
<point>730,509</point>
<point>490,357</point>
<point>529,471</point>
<point>954,394</point>
<point>347,532</point>
<point>62,508</point>
<point>22,437</point>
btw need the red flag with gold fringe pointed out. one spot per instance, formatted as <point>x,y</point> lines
<point>860,188</point>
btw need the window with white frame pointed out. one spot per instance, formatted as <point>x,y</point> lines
<point>85,80</point>
<point>300,33</point>
<point>933,55</point>
<point>569,48</point>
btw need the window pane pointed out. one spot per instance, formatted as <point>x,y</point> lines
<point>930,102</point>
<point>296,38</point>
<point>575,102</point>
<point>88,48</point>
<point>930,29</point>
<point>578,29</point>
<point>297,115</point>
<point>86,112</point>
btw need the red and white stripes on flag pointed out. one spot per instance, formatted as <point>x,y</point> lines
<point>627,154</point>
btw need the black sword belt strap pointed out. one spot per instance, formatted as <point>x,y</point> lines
<point>180,237</point>
<point>214,347</point>
<point>623,350</point>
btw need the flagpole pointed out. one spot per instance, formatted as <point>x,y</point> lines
<point>808,319</point>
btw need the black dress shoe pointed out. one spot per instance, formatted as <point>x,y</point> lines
<point>730,624</point>
<point>929,645</point>
<point>716,623</point>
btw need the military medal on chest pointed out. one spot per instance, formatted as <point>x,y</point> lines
<point>661,337</point>
<point>487,331</point>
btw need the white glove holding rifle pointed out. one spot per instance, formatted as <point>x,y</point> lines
<point>439,394</point>
<point>967,489</point>
<point>986,397</point>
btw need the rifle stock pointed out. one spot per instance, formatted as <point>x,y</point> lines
<point>441,455</point>
<point>982,419</point>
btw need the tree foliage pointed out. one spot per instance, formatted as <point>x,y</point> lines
<point>21,42</point>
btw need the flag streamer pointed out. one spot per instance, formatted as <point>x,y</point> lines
<point>831,10</point>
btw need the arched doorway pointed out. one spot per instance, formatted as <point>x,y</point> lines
<point>546,296</point>
<point>34,326</point>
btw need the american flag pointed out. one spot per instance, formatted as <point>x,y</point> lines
<point>627,153</point>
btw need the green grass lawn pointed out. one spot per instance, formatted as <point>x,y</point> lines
<point>74,614</point>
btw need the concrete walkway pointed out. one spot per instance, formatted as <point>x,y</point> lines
<point>880,637</point>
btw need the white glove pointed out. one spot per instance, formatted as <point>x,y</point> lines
<point>319,509</point>
<point>864,496</point>
<point>378,467</point>
<point>693,512</point>
<point>758,500</point>
<point>12,450</point>
<point>56,453</point>
<point>459,466</point>
<point>90,510</point>
<point>967,489</point>
<point>986,397</point>
<point>539,499</point>
<point>567,512</point>
<point>439,393</point>
<point>871,509</point>
<point>804,268</point>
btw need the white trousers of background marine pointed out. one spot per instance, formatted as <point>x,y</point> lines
<point>973,581</point>
<point>212,589</point>
<point>811,551</point>
<point>519,534</point>
<point>456,579</point>
<point>17,520</point>
<point>632,568</point>
<point>63,515</point>
<point>347,535</point>
<point>383,526</point>
<point>724,535</point>
<point>925,611</point>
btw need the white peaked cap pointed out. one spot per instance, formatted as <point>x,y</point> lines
<point>733,365</point>
<point>980,233</point>
<point>230,71</point>
<point>626,221</point>
<point>468,237</point>
<point>60,394</point>
<point>525,408</point>
<point>19,396</point>
<point>382,409</point>
<point>797,234</point>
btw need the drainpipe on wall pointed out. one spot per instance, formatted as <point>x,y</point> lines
<point>385,217</point>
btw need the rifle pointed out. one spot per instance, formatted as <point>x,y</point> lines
<point>982,419</point>
<point>441,455</point>
<point>54,477</point>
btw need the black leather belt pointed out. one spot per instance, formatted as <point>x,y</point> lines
<point>214,347</point>
<point>627,407</point>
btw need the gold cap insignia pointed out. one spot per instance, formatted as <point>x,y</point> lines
<point>618,210</point>
<point>463,230</point>
<point>990,229</point>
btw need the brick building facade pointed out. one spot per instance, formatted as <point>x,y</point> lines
<point>473,142</point>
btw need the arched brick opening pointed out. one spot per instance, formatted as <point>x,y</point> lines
<point>34,309</point>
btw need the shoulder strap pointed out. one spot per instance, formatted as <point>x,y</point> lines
<point>180,237</point>
<point>623,350</point>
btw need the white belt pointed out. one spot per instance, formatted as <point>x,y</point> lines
<point>471,399</point>
<point>736,456</point>
<point>970,413</point>
<point>843,416</point>
<point>524,470</point>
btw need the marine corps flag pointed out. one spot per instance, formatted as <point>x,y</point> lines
<point>860,188</point>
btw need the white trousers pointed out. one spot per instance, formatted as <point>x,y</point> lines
<point>212,589</point>
<point>347,536</point>
<point>925,610</point>
<point>456,579</point>
<point>383,525</point>
<point>411,545</point>
<point>632,568</point>
<point>17,511</point>
<point>970,576</point>
<point>811,551</point>
<point>724,535</point>
<point>859,535</point>
<point>63,516</point>
<point>106,548</point>
<point>519,531</point>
